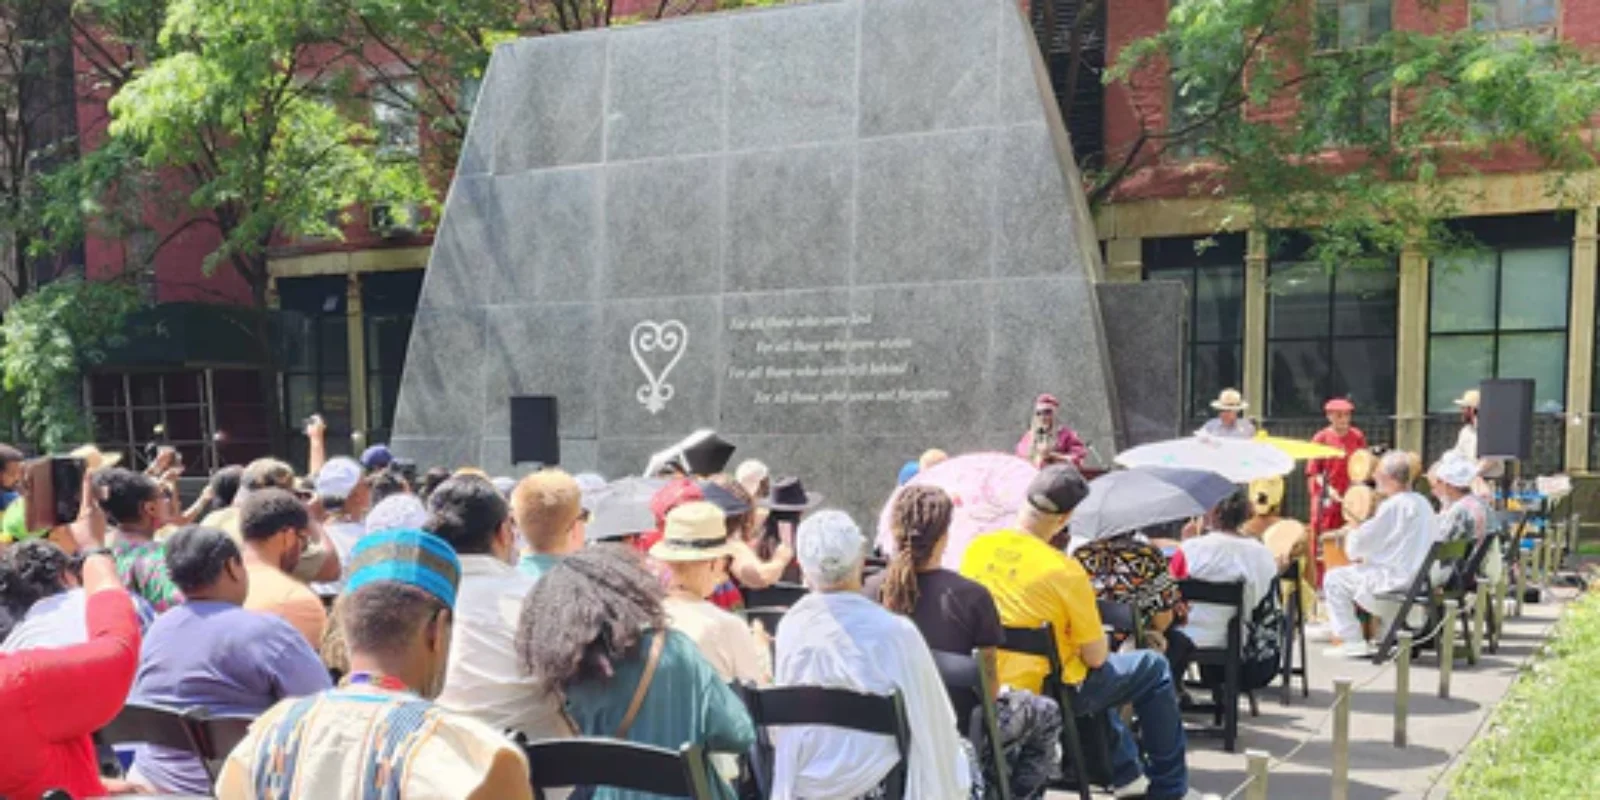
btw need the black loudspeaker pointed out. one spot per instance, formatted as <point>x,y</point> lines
<point>534,425</point>
<point>1505,419</point>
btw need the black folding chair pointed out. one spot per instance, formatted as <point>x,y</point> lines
<point>217,736</point>
<point>1225,708</point>
<point>1294,631</point>
<point>1121,621</point>
<point>971,686</point>
<point>778,595</point>
<point>1041,642</point>
<point>1449,557</point>
<point>595,761</point>
<point>162,726</point>
<point>783,706</point>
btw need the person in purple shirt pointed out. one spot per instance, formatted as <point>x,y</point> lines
<point>1061,444</point>
<point>214,654</point>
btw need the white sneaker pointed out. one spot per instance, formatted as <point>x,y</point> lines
<point>1350,650</point>
<point>1194,795</point>
<point>1135,788</point>
<point>1320,632</point>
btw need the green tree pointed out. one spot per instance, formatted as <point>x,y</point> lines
<point>49,338</point>
<point>241,102</point>
<point>1264,92</point>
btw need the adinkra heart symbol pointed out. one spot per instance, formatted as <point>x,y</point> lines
<point>670,338</point>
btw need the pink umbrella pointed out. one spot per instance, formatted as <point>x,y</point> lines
<point>987,489</point>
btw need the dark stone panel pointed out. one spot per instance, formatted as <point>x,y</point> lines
<point>663,229</point>
<point>666,92</point>
<point>924,210</point>
<point>927,65</point>
<point>1145,325</point>
<point>928,362</point>
<point>548,235</point>
<point>793,78</point>
<point>543,350</point>
<point>548,102</point>
<point>444,376</point>
<point>789,218</point>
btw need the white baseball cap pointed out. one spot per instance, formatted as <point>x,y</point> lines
<point>339,477</point>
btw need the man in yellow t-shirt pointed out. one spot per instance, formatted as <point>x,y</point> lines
<point>1033,583</point>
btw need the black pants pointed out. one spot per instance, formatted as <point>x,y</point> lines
<point>1180,651</point>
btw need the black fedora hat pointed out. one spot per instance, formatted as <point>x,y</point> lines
<point>789,494</point>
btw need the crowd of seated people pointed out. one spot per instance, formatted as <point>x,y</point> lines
<point>390,640</point>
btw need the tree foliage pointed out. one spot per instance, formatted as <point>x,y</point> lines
<point>239,100</point>
<point>1352,134</point>
<point>48,339</point>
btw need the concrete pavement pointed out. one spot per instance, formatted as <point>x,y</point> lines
<point>1299,736</point>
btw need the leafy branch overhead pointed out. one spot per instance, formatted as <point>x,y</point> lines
<point>1308,118</point>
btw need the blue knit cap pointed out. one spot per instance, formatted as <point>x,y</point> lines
<point>411,557</point>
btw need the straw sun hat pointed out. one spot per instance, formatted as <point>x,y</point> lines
<point>695,531</point>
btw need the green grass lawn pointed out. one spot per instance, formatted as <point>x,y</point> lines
<point>1544,740</point>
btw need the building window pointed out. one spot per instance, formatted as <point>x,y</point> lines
<point>214,417</point>
<point>1348,24</point>
<point>395,118</point>
<point>316,359</point>
<point>1514,15</point>
<point>1501,313</point>
<point>1330,334</point>
<point>388,304</point>
<point>1213,272</point>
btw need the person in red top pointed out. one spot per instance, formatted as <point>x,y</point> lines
<point>1333,471</point>
<point>52,699</point>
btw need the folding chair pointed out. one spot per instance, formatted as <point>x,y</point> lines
<point>1294,630</point>
<point>1423,589</point>
<point>596,761</point>
<point>971,686</point>
<point>162,726</point>
<point>217,736</point>
<point>1122,621</point>
<point>1041,642</point>
<point>781,706</point>
<point>1225,710</point>
<point>778,595</point>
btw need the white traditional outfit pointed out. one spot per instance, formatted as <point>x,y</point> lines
<point>844,640</point>
<point>1220,557</point>
<point>1387,551</point>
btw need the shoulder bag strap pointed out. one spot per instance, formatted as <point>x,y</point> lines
<point>658,641</point>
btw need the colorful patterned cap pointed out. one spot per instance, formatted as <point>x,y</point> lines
<point>412,557</point>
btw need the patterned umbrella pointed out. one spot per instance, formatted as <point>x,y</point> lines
<point>987,490</point>
<point>1238,460</point>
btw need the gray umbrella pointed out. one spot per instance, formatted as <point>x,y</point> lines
<point>1128,500</point>
<point>622,508</point>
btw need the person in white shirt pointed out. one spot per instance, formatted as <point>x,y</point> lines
<point>1225,555</point>
<point>835,636</point>
<point>1385,553</point>
<point>693,544</point>
<point>1467,438</point>
<point>483,679</point>
<point>341,483</point>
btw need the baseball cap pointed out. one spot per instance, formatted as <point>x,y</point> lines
<point>338,477</point>
<point>1057,489</point>
<point>376,457</point>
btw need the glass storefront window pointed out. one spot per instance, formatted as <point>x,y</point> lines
<point>1330,334</point>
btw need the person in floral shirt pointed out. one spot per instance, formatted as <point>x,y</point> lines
<point>133,502</point>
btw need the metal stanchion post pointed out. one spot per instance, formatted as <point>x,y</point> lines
<point>1402,687</point>
<point>1447,646</point>
<point>1256,766</point>
<point>1480,622</point>
<point>1522,574</point>
<point>1341,739</point>
<point>1498,604</point>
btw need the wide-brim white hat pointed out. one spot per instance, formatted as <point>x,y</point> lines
<point>1230,400</point>
<point>694,531</point>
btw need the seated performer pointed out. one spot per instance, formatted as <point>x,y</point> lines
<point>1384,552</point>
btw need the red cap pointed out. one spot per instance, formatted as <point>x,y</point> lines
<point>1047,401</point>
<point>1338,404</point>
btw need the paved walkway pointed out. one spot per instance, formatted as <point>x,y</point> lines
<point>1299,737</point>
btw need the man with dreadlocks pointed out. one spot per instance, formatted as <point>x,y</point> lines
<point>957,615</point>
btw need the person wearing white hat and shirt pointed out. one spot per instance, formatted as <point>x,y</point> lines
<point>1227,424</point>
<point>344,493</point>
<point>836,636</point>
<point>1462,514</point>
<point>1467,438</point>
